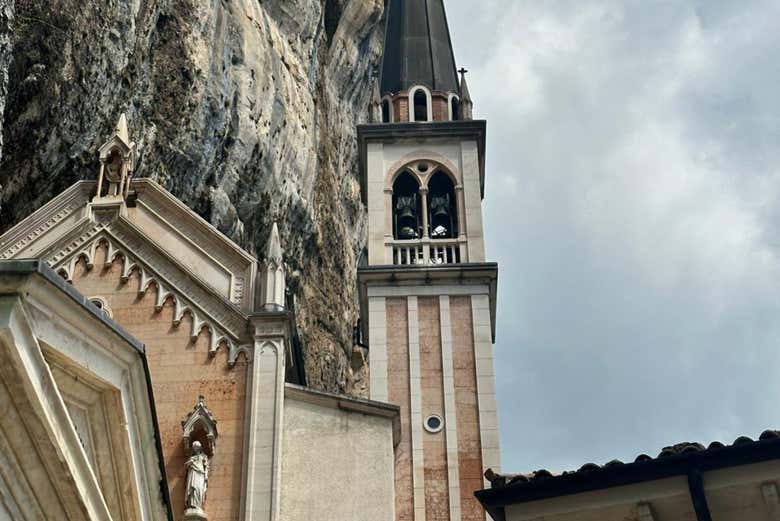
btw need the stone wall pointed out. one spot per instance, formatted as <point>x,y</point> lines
<point>422,455</point>
<point>342,458</point>
<point>6,25</point>
<point>181,370</point>
<point>245,110</point>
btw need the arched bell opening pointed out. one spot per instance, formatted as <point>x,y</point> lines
<point>442,207</point>
<point>386,111</point>
<point>407,208</point>
<point>420,101</point>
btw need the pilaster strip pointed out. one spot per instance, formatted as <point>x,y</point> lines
<point>486,383</point>
<point>262,461</point>
<point>415,406</point>
<point>450,411</point>
<point>377,332</point>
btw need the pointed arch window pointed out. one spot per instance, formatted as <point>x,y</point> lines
<point>442,207</point>
<point>407,208</point>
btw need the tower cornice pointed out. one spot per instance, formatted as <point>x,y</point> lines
<point>414,277</point>
<point>475,130</point>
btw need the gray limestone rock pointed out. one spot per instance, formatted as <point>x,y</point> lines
<point>6,25</point>
<point>244,109</point>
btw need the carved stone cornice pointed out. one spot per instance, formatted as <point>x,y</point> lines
<point>70,228</point>
<point>48,216</point>
<point>225,326</point>
<point>217,306</point>
<point>155,200</point>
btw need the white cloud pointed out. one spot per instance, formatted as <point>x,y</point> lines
<point>632,200</point>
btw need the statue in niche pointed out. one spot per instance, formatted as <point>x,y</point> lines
<point>197,483</point>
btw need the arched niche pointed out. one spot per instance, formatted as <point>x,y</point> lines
<point>200,425</point>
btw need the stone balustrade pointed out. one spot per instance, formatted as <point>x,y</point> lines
<point>426,251</point>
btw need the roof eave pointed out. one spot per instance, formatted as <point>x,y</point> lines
<point>630,473</point>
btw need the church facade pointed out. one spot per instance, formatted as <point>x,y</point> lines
<point>149,368</point>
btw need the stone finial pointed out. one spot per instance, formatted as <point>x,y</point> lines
<point>273,250</point>
<point>273,281</point>
<point>466,103</point>
<point>121,129</point>
<point>117,162</point>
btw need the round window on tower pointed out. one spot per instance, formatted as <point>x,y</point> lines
<point>434,423</point>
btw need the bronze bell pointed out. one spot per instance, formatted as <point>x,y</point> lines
<point>406,216</point>
<point>441,217</point>
<point>440,206</point>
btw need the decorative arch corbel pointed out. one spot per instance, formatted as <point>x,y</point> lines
<point>200,425</point>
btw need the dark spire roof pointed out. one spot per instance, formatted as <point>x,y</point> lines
<point>418,49</point>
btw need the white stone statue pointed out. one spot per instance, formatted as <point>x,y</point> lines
<point>197,483</point>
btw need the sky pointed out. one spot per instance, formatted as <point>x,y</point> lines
<point>633,205</point>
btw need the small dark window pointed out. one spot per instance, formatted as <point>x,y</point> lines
<point>386,111</point>
<point>455,107</point>
<point>420,106</point>
<point>407,207</point>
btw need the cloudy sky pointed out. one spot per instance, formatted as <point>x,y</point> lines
<point>633,202</point>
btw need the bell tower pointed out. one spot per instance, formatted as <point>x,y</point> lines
<point>427,293</point>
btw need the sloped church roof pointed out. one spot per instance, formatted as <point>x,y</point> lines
<point>418,48</point>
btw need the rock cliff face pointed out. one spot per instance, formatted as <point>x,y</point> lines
<point>244,109</point>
